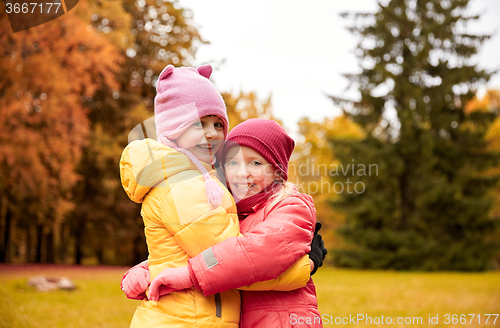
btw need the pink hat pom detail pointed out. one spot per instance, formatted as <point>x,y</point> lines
<point>205,70</point>
<point>213,190</point>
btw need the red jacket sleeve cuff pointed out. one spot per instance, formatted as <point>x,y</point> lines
<point>195,282</point>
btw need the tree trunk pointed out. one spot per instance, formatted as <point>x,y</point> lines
<point>63,244</point>
<point>2,231</point>
<point>49,247</point>
<point>80,225</point>
<point>100,254</point>
<point>28,258</point>
<point>4,248</point>
<point>39,241</point>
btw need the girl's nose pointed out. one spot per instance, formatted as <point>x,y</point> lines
<point>210,132</point>
<point>242,171</point>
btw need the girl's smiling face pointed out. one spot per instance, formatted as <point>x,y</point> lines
<point>247,172</point>
<point>203,138</point>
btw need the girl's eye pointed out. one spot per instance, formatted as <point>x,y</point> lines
<point>231,163</point>
<point>256,163</point>
<point>198,124</point>
<point>219,126</point>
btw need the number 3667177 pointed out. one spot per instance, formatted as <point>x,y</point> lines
<point>31,8</point>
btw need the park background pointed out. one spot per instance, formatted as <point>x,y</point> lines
<point>422,108</point>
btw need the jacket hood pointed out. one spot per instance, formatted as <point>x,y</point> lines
<point>145,164</point>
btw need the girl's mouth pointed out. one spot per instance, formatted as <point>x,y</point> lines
<point>244,186</point>
<point>205,146</point>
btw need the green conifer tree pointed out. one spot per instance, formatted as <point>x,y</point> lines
<point>419,191</point>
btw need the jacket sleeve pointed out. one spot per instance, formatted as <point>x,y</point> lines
<point>262,253</point>
<point>295,277</point>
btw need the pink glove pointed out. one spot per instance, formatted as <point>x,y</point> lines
<point>135,281</point>
<point>169,280</point>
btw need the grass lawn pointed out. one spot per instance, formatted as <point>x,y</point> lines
<point>99,302</point>
<point>408,294</point>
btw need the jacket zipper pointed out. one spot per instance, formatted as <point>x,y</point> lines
<point>218,306</point>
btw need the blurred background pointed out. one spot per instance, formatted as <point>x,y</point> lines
<point>393,106</point>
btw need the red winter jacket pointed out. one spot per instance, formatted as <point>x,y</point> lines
<point>273,239</point>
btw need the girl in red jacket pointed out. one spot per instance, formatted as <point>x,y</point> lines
<point>277,223</point>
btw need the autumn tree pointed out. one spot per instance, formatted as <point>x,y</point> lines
<point>490,102</point>
<point>314,168</point>
<point>428,205</point>
<point>243,106</point>
<point>106,225</point>
<point>44,73</point>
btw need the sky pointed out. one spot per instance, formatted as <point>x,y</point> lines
<point>296,51</point>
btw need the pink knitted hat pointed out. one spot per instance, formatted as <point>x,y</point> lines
<point>266,137</point>
<point>183,96</point>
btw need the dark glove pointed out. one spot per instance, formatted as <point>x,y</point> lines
<point>318,250</point>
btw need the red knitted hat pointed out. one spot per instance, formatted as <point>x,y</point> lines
<point>266,137</point>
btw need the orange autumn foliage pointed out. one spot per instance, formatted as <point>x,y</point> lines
<point>44,73</point>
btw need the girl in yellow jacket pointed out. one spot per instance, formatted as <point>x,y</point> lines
<point>185,209</point>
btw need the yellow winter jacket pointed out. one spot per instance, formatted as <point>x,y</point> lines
<point>179,224</point>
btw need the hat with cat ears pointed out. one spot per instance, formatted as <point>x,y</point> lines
<point>204,70</point>
<point>183,96</point>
